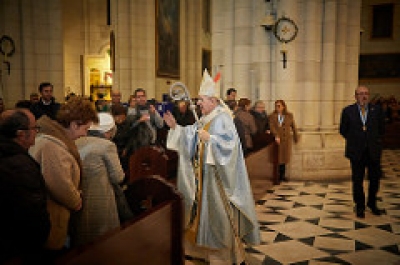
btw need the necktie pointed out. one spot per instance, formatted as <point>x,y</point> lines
<point>363,118</point>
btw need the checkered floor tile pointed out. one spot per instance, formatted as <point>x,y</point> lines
<point>314,223</point>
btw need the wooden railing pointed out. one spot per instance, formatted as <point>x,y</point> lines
<point>262,162</point>
<point>153,237</point>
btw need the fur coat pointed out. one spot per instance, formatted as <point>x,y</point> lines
<point>60,165</point>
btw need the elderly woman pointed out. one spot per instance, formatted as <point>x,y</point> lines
<point>56,152</point>
<point>281,123</point>
<point>101,171</point>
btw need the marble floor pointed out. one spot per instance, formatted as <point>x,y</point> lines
<point>314,223</point>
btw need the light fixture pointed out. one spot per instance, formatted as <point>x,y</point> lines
<point>268,22</point>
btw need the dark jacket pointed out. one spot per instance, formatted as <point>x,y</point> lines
<point>25,223</point>
<point>39,109</point>
<point>261,120</point>
<point>358,140</point>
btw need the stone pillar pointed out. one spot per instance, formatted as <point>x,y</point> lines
<point>286,87</point>
<point>243,40</point>
<point>311,72</point>
<point>36,28</point>
<point>327,85</point>
<point>340,58</point>
<point>228,49</point>
<point>320,153</point>
<point>352,47</point>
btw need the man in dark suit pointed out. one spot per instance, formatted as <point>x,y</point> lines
<point>47,104</point>
<point>362,125</point>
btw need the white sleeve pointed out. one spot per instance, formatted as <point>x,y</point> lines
<point>173,138</point>
<point>210,156</point>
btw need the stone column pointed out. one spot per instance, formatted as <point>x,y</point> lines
<point>352,47</point>
<point>286,87</point>
<point>311,72</point>
<point>328,66</point>
<point>228,49</point>
<point>340,58</point>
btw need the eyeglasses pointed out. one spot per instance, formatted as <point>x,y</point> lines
<point>362,94</point>
<point>35,128</point>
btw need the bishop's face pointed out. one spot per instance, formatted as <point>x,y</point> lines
<point>206,104</point>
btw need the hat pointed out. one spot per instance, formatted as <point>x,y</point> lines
<point>208,86</point>
<point>106,123</point>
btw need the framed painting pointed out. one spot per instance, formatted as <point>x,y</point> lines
<point>167,38</point>
<point>379,66</point>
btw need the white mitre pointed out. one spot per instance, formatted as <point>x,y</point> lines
<point>208,87</point>
<point>211,88</point>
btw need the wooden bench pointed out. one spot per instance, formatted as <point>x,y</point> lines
<point>153,237</point>
<point>152,160</point>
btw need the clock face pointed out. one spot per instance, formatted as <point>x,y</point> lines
<point>7,46</point>
<point>285,30</point>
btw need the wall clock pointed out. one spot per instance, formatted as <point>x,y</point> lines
<point>7,46</point>
<point>285,30</point>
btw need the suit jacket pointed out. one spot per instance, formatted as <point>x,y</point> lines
<point>39,109</point>
<point>358,140</point>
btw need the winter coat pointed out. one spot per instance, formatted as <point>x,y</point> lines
<point>101,169</point>
<point>249,125</point>
<point>285,135</point>
<point>25,223</point>
<point>60,163</point>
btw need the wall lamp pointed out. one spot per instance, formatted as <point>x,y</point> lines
<point>268,22</point>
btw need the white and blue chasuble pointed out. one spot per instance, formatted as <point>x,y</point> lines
<point>222,155</point>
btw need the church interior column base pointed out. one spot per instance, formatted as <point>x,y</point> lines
<point>319,156</point>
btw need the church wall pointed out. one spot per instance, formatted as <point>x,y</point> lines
<point>317,81</point>
<point>368,45</point>
<point>134,23</point>
<point>36,29</point>
<point>86,39</point>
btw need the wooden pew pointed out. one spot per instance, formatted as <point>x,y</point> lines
<point>262,162</point>
<point>154,237</point>
<point>152,160</point>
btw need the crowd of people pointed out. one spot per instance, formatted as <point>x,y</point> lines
<point>63,165</point>
<point>390,107</point>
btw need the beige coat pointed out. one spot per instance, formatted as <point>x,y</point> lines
<point>284,133</point>
<point>61,172</point>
